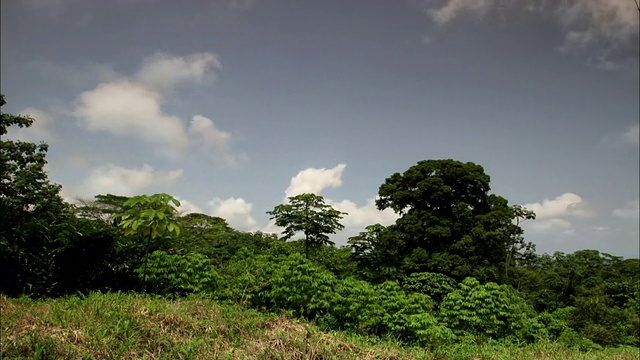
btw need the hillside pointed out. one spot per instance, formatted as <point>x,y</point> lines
<point>126,326</point>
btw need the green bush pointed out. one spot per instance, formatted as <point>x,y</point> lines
<point>246,279</point>
<point>299,285</point>
<point>479,312</point>
<point>180,274</point>
<point>403,316</point>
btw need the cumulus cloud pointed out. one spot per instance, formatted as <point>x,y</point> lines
<point>132,109</point>
<point>567,204</point>
<point>114,179</point>
<point>164,71</point>
<point>40,130</point>
<point>629,211</point>
<point>211,139</point>
<point>632,135</point>
<point>314,180</point>
<point>552,214</point>
<point>236,211</point>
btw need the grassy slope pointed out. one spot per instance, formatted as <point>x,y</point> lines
<point>121,326</point>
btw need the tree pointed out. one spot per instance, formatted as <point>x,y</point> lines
<point>31,210</point>
<point>101,208</point>
<point>307,213</point>
<point>376,251</point>
<point>151,216</point>
<point>449,222</point>
<point>517,243</point>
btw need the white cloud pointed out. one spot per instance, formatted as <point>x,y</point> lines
<point>187,207</point>
<point>361,216</point>
<point>629,211</point>
<point>567,204</point>
<point>314,180</point>
<point>164,71</point>
<point>211,139</point>
<point>236,211</point>
<point>40,130</point>
<point>551,214</point>
<point>131,109</point>
<point>117,180</point>
<point>600,228</point>
<point>632,135</point>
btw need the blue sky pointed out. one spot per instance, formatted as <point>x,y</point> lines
<point>231,105</point>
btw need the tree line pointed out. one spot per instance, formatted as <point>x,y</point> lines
<point>454,267</point>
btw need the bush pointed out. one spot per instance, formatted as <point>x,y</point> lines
<point>180,274</point>
<point>301,286</point>
<point>406,317</point>
<point>490,311</point>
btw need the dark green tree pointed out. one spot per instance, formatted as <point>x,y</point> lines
<point>308,213</point>
<point>449,222</point>
<point>31,211</point>
<point>377,253</point>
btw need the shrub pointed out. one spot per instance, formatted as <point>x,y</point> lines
<point>180,274</point>
<point>490,311</point>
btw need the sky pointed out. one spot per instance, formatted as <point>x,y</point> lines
<point>233,105</point>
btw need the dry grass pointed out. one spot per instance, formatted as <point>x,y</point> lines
<point>121,326</point>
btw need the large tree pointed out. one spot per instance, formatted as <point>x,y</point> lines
<point>308,213</point>
<point>31,211</point>
<point>449,222</point>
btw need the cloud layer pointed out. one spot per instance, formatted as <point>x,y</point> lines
<point>629,211</point>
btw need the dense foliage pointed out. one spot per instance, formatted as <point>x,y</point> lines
<point>454,268</point>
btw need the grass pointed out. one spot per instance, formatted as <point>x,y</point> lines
<point>131,326</point>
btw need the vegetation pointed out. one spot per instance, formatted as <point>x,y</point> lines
<point>307,213</point>
<point>119,277</point>
<point>133,326</point>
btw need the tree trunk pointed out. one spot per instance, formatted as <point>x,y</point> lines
<point>146,259</point>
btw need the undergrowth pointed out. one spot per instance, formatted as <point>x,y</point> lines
<point>132,326</point>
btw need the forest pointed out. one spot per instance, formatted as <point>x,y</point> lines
<point>455,268</point>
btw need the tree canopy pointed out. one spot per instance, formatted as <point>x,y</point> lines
<point>308,213</point>
<point>449,222</point>
<point>30,209</point>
